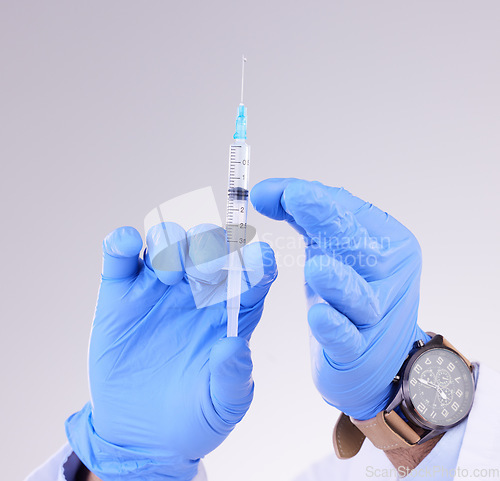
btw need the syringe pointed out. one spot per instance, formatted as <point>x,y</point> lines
<point>236,212</point>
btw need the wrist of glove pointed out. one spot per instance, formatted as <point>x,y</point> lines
<point>110,461</point>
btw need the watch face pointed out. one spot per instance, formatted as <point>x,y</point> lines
<point>441,387</point>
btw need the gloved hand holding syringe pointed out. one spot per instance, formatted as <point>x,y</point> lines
<point>236,212</point>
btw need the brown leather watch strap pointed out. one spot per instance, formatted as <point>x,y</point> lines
<point>388,431</point>
<point>347,438</point>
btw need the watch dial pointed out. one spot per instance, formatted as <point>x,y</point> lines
<point>441,387</point>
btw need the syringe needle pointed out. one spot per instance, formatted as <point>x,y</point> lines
<point>243,60</point>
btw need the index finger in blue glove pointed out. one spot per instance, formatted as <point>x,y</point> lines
<point>121,249</point>
<point>166,253</point>
<point>267,198</point>
<point>377,222</point>
<point>315,209</point>
<point>327,222</point>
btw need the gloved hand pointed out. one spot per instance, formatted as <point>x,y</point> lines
<point>362,281</point>
<point>167,386</point>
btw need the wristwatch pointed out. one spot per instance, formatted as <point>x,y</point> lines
<point>435,391</point>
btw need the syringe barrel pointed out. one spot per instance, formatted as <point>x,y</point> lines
<point>237,194</point>
<point>236,226</point>
<point>236,221</point>
<point>239,165</point>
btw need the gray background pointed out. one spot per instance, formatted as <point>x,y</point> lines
<point>110,108</point>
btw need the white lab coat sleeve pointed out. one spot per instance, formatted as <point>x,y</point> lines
<point>58,468</point>
<point>64,464</point>
<point>469,451</point>
<point>480,454</point>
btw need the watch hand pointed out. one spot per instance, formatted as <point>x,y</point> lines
<point>442,393</point>
<point>427,383</point>
<point>435,386</point>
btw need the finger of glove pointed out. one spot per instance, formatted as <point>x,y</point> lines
<point>267,195</point>
<point>337,335</point>
<point>266,199</point>
<point>231,383</point>
<point>343,288</point>
<point>378,223</point>
<point>327,223</point>
<point>207,252</point>
<point>311,209</point>
<point>260,272</point>
<point>121,249</point>
<point>386,245</point>
<point>167,248</point>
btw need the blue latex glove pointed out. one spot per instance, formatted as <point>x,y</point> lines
<point>362,281</point>
<point>167,386</point>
